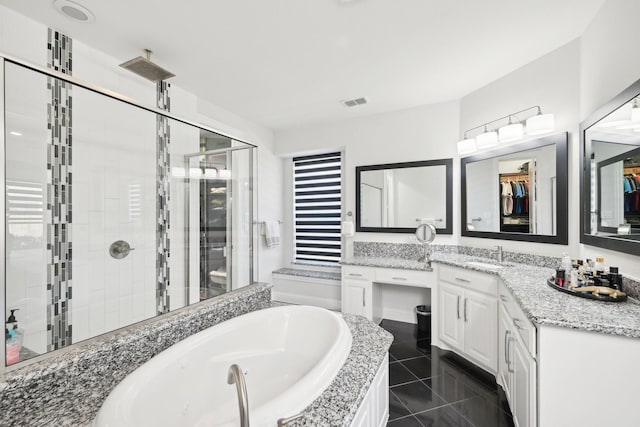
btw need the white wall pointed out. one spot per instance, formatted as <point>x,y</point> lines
<point>552,82</point>
<point>423,133</point>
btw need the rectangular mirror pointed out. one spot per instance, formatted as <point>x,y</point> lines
<point>517,192</point>
<point>397,197</point>
<point>610,174</point>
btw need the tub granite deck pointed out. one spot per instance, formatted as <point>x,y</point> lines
<point>338,404</point>
<point>68,388</point>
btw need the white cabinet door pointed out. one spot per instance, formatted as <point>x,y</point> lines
<point>451,323</point>
<point>523,401</point>
<point>504,333</point>
<point>356,296</point>
<point>480,314</point>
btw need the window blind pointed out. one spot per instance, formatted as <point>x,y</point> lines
<point>317,206</point>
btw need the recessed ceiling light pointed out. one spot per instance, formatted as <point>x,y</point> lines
<point>73,10</point>
<point>14,133</point>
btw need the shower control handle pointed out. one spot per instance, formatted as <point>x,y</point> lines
<point>120,249</point>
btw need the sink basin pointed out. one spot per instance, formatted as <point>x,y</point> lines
<point>485,265</point>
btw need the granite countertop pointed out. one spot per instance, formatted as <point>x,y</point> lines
<point>542,304</point>
<point>338,404</point>
<point>402,263</point>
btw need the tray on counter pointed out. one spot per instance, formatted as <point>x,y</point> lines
<point>587,295</point>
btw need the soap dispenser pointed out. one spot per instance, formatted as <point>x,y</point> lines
<point>13,338</point>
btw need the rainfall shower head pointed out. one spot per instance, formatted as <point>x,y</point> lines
<point>147,69</point>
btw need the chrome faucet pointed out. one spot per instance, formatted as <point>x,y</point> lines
<point>498,251</point>
<point>285,421</point>
<point>237,376</point>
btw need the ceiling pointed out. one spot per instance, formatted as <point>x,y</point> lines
<point>288,63</point>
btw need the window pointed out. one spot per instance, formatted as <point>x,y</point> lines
<point>317,206</point>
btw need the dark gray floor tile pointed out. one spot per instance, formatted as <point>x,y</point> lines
<point>396,407</point>
<point>401,331</point>
<point>398,374</point>
<point>405,350</point>
<point>444,416</point>
<point>452,386</point>
<point>409,421</point>
<point>417,396</point>
<point>483,413</point>
<point>422,367</point>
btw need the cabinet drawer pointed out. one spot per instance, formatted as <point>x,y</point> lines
<point>357,273</point>
<point>476,281</point>
<point>525,328</point>
<point>404,277</point>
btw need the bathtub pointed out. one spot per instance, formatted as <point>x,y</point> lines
<point>289,355</point>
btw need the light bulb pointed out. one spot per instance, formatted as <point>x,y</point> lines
<point>487,138</point>
<point>466,146</point>
<point>540,123</point>
<point>511,132</point>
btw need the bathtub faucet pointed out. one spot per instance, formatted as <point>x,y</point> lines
<point>285,421</point>
<point>237,376</point>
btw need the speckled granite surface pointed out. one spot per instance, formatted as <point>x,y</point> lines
<point>412,251</point>
<point>310,273</point>
<point>68,388</point>
<point>542,304</point>
<point>405,264</point>
<point>338,404</point>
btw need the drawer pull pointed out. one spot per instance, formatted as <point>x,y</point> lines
<point>364,293</point>
<point>458,305</point>
<point>355,275</point>
<point>503,298</point>
<point>516,322</point>
<point>458,279</point>
<point>399,278</point>
<point>465,309</point>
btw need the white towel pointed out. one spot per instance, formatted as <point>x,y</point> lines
<point>272,233</point>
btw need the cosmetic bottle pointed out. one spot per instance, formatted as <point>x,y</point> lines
<point>13,339</point>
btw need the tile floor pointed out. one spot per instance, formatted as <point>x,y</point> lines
<point>429,387</point>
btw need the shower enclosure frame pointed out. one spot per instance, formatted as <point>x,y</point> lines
<point>187,235</point>
<point>7,58</point>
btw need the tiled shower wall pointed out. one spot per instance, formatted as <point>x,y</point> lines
<point>113,198</point>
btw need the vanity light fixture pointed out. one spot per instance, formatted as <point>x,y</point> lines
<point>540,123</point>
<point>467,145</point>
<point>486,139</point>
<point>512,131</point>
<point>515,129</point>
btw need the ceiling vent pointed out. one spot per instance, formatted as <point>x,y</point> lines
<point>355,102</point>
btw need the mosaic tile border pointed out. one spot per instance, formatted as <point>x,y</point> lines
<point>59,193</point>
<point>163,199</point>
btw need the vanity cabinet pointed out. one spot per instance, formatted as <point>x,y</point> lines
<point>517,364</point>
<point>469,315</point>
<point>374,409</point>
<point>363,287</point>
<point>357,291</point>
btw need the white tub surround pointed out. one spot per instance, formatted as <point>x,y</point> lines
<point>68,387</point>
<point>289,355</point>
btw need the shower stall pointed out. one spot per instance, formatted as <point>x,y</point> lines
<point>114,211</point>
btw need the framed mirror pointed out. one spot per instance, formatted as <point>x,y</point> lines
<point>397,197</point>
<point>518,192</point>
<point>610,174</point>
